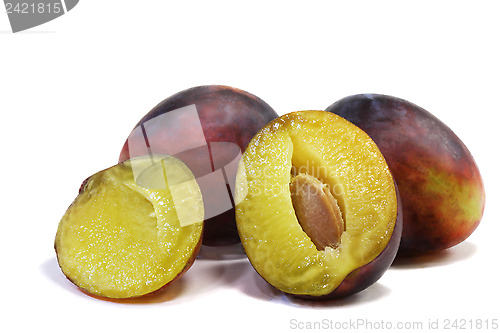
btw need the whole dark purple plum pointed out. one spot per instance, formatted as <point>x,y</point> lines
<point>208,128</point>
<point>440,185</point>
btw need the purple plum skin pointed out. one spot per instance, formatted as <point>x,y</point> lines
<point>227,115</point>
<point>440,184</point>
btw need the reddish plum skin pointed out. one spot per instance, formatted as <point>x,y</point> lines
<point>226,114</point>
<point>441,188</point>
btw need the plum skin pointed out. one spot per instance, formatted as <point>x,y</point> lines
<point>441,188</point>
<point>226,114</point>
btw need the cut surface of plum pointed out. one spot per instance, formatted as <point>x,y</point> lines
<point>348,163</point>
<point>123,237</point>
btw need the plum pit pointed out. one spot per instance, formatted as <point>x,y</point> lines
<point>317,211</point>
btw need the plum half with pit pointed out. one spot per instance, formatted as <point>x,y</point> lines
<point>440,184</point>
<point>133,229</point>
<point>317,207</point>
<point>208,128</point>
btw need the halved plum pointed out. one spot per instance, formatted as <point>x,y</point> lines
<point>317,207</point>
<point>133,228</point>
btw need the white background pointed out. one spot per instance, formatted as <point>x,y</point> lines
<point>72,89</point>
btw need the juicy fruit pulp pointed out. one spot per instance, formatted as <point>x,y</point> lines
<point>128,233</point>
<point>348,163</point>
<point>440,184</point>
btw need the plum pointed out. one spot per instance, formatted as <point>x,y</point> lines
<point>207,127</point>
<point>131,231</point>
<point>318,211</point>
<point>441,188</point>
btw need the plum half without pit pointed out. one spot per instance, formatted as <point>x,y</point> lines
<point>133,228</point>
<point>317,207</point>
